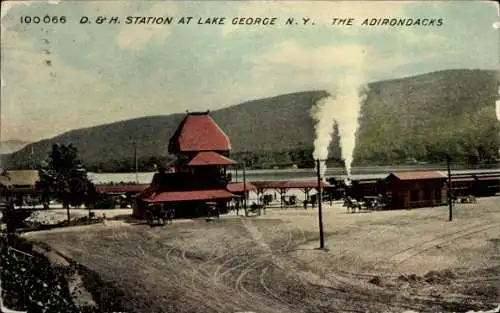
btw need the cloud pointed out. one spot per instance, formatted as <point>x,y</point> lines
<point>321,12</point>
<point>41,89</point>
<point>291,53</point>
<point>327,58</point>
<point>430,38</point>
<point>316,67</point>
<point>135,37</point>
<point>308,67</point>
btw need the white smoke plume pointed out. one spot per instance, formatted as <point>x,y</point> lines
<point>322,113</point>
<point>352,93</point>
<point>343,107</point>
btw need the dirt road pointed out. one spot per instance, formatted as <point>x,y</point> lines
<point>377,262</point>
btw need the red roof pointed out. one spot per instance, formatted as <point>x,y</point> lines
<point>417,175</point>
<point>287,184</point>
<point>121,188</point>
<point>239,187</point>
<point>194,195</point>
<point>198,132</point>
<point>146,193</point>
<point>210,158</point>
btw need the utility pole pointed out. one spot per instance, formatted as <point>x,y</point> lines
<point>450,192</point>
<point>320,212</point>
<point>135,164</point>
<point>244,190</point>
<point>32,165</point>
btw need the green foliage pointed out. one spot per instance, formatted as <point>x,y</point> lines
<point>420,118</point>
<point>426,117</point>
<point>30,282</point>
<point>14,219</point>
<point>64,177</point>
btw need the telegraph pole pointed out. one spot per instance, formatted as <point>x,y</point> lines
<point>244,190</point>
<point>450,193</point>
<point>136,163</point>
<point>320,211</point>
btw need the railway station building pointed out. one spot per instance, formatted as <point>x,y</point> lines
<point>198,175</point>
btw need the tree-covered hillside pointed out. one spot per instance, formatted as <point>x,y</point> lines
<point>427,116</point>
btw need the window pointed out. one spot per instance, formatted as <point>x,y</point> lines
<point>414,196</point>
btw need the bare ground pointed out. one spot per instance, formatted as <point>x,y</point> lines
<point>376,262</point>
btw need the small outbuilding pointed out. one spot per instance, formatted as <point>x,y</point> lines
<point>416,189</point>
<point>21,185</point>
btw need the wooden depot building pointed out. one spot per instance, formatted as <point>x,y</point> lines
<point>416,189</point>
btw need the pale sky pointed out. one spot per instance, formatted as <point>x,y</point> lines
<point>105,73</point>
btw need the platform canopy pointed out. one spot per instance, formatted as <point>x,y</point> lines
<point>288,184</point>
<point>194,195</point>
<point>240,187</point>
<point>210,158</point>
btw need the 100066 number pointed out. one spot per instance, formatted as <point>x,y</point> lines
<point>47,19</point>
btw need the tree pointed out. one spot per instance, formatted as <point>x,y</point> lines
<point>64,177</point>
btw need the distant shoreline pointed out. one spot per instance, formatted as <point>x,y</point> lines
<point>356,169</point>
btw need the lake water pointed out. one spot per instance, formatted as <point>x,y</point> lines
<point>285,174</point>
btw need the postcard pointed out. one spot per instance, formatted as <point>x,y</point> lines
<point>249,156</point>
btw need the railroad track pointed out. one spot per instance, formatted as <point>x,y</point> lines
<point>402,256</point>
<point>417,249</point>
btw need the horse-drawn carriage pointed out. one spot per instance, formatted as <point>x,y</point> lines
<point>159,214</point>
<point>352,204</point>
<point>464,199</point>
<point>266,199</point>
<point>212,211</point>
<point>290,201</point>
<point>365,203</point>
<point>256,209</point>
